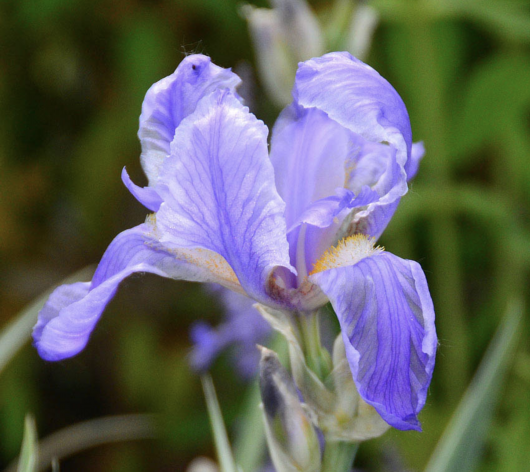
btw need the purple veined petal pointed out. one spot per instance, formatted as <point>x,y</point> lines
<point>357,97</point>
<point>72,311</point>
<point>241,329</point>
<point>172,99</point>
<point>387,320</point>
<point>374,185</point>
<point>219,192</point>
<point>308,152</point>
<point>376,165</point>
<point>418,151</point>
<point>147,196</point>
<point>322,223</point>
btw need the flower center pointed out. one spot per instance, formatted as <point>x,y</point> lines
<point>348,251</point>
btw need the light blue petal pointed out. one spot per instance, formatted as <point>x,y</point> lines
<point>308,152</point>
<point>387,320</point>
<point>219,192</point>
<point>418,151</point>
<point>147,196</point>
<point>172,99</point>
<point>72,311</point>
<point>375,165</point>
<point>357,97</point>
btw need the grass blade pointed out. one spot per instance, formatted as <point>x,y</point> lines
<point>29,451</point>
<point>88,434</point>
<point>462,441</point>
<point>222,445</point>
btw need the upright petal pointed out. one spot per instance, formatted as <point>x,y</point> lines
<point>387,321</point>
<point>357,97</point>
<point>72,311</point>
<point>418,151</point>
<point>172,99</point>
<point>374,165</point>
<point>308,152</point>
<point>219,192</point>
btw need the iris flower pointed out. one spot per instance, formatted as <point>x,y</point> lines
<point>292,230</point>
<point>240,331</point>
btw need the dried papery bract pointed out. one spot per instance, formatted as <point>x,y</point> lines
<point>291,437</point>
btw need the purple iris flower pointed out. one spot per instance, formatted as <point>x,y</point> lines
<point>242,328</point>
<point>291,230</point>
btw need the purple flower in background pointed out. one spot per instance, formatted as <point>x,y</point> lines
<point>291,230</point>
<point>241,330</point>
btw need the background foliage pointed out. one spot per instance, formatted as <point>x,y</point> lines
<point>73,74</point>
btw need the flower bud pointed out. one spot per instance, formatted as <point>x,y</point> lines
<point>282,37</point>
<point>333,404</point>
<point>292,440</point>
<point>359,39</point>
<point>202,464</point>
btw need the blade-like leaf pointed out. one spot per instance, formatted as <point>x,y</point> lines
<point>89,434</point>
<point>222,445</point>
<point>18,331</point>
<point>462,441</point>
<point>29,451</point>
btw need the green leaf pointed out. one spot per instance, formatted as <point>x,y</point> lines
<point>222,445</point>
<point>506,19</point>
<point>29,452</point>
<point>18,331</point>
<point>497,94</point>
<point>462,441</point>
<point>88,434</point>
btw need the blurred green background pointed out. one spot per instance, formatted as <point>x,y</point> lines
<point>73,74</point>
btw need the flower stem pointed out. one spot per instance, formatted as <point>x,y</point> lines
<point>317,357</point>
<point>339,456</point>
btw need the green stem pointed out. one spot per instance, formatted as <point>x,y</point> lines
<point>339,456</point>
<point>316,356</point>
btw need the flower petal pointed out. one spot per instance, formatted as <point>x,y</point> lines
<point>72,311</point>
<point>357,97</point>
<point>374,165</point>
<point>387,320</point>
<point>172,99</point>
<point>147,196</point>
<point>219,193</point>
<point>308,152</point>
<point>418,151</point>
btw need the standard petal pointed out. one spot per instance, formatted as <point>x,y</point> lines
<point>72,311</point>
<point>172,99</point>
<point>374,165</point>
<point>387,321</point>
<point>308,152</point>
<point>219,192</point>
<point>418,151</point>
<point>357,97</point>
